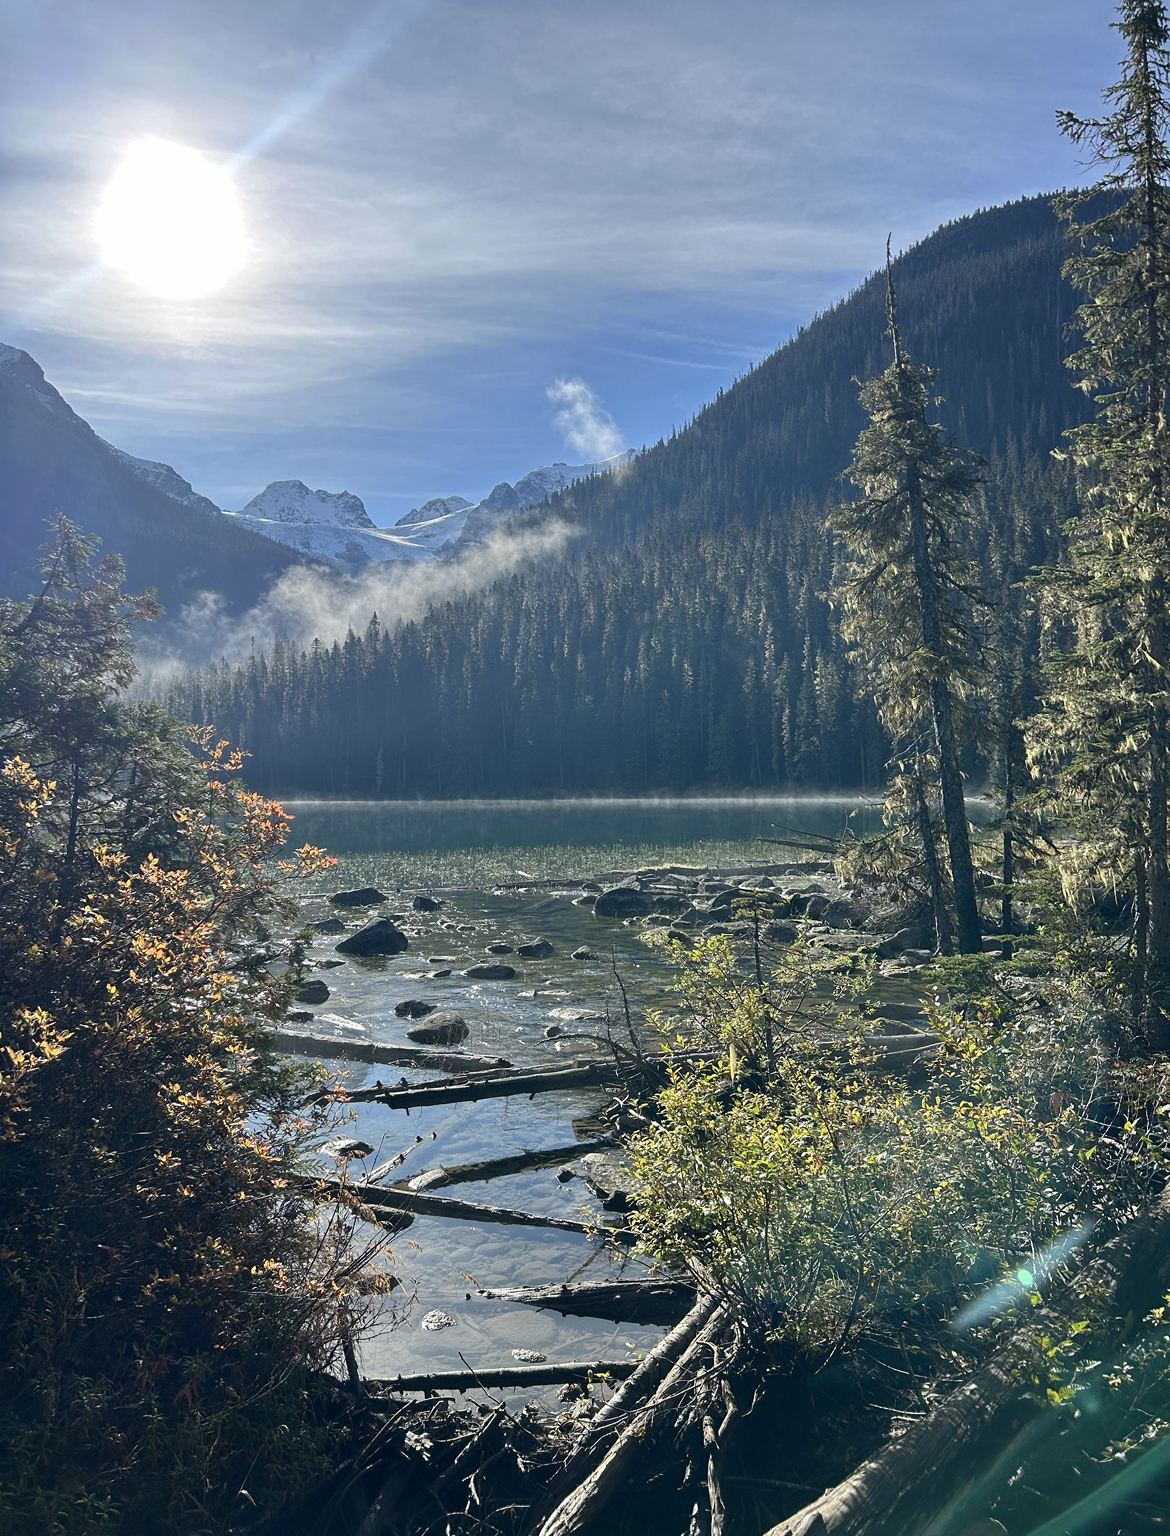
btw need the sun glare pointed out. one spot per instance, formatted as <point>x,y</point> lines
<point>171,222</point>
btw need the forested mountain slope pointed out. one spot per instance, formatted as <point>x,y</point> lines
<point>688,643</point>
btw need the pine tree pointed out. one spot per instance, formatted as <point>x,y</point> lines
<point>1113,694</point>
<point>907,590</point>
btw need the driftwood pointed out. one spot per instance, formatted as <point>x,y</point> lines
<point>910,1478</point>
<point>413,1203</point>
<point>504,1376</point>
<point>500,1167</point>
<point>471,1087</point>
<point>291,1043</point>
<point>655,1302</point>
<point>588,1500</point>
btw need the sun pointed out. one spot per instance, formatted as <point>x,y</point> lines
<point>170,220</point>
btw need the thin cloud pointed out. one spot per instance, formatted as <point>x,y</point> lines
<point>585,424</point>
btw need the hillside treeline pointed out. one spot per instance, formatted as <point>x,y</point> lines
<point>689,643</point>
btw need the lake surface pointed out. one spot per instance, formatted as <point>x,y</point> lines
<point>507,872</point>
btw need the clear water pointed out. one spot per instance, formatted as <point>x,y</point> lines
<point>508,872</point>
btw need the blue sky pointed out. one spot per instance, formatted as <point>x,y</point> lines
<point>450,205</point>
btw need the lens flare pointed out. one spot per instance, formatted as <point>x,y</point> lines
<point>170,220</point>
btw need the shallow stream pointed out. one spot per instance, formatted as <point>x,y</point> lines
<point>508,873</point>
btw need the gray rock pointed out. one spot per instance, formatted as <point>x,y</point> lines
<point>498,949</point>
<point>368,896</point>
<point>584,901</point>
<point>779,933</point>
<point>614,1183</point>
<point>380,937</point>
<point>412,1008</point>
<point>623,901</point>
<point>329,965</point>
<point>490,973</point>
<point>539,949</point>
<point>905,938</point>
<point>841,913</point>
<point>816,906</point>
<point>583,954</point>
<point>313,992</point>
<point>296,1016</point>
<point>435,1321</point>
<point>425,904</point>
<point>330,925</point>
<point>532,1357</point>
<point>445,1028</point>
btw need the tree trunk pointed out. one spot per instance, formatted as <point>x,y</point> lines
<point>1005,910</point>
<point>950,779</point>
<point>942,922</point>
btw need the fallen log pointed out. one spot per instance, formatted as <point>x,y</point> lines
<point>504,1376</point>
<point>500,1167</point>
<point>413,1203</point>
<point>292,1043</point>
<point>586,1503</point>
<point>654,1302</point>
<point>897,1490</point>
<point>470,1088</point>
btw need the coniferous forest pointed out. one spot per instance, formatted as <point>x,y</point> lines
<point>686,642</point>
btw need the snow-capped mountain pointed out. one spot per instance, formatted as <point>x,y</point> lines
<point>166,480</point>
<point>335,526</point>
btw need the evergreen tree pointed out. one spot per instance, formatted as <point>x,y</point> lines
<point>1113,705</point>
<point>906,590</point>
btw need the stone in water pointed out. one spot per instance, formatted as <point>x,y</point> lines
<point>437,1320</point>
<point>366,897</point>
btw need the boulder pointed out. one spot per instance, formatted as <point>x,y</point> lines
<point>779,933</point>
<point>330,925</point>
<point>490,972</point>
<point>816,906</point>
<point>539,949</point>
<point>584,954</point>
<point>297,1016</point>
<point>425,904</point>
<point>446,1028</point>
<point>412,1008</point>
<point>623,901</point>
<point>609,1179</point>
<point>498,949</point>
<point>841,913</point>
<point>366,897</point>
<point>905,938</point>
<point>380,937</point>
<point>313,992</point>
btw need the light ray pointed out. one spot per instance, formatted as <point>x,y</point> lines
<point>1018,1287</point>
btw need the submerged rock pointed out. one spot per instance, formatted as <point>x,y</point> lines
<point>498,949</point>
<point>584,954</point>
<point>413,1008</point>
<point>490,972</point>
<point>330,925</point>
<point>623,901</point>
<point>380,937</point>
<point>538,949</point>
<point>368,896</point>
<point>425,904</point>
<point>443,1028</point>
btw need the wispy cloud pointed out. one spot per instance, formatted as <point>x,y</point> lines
<point>584,423</point>
<point>311,603</point>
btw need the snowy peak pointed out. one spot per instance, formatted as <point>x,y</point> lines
<point>27,373</point>
<point>291,501</point>
<point>166,480</point>
<point>438,506</point>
